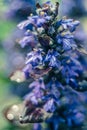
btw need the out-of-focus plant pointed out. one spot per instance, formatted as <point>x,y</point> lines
<point>15,11</point>
<point>54,66</point>
<point>20,9</point>
<point>73,8</point>
<point>8,34</point>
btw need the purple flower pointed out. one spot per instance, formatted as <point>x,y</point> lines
<point>24,24</point>
<point>38,88</point>
<point>66,40</point>
<point>34,21</point>
<point>55,59</point>
<point>30,40</point>
<point>69,24</point>
<point>50,106</point>
<point>51,59</point>
<point>68,73</point>
<point>34,65</point>
<point>34,58</point>
<point>37,20</point>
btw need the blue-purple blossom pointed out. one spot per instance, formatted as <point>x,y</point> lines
<point>34,58</point>
<point>68,24</point>
<point>66,40</point>
<point>51,59</point>
<point>28,40</point>
<point>34,65</point>
<point>34,21</point>
<point>38,91</point>
<point>50,106</point>
<point>54,57</point>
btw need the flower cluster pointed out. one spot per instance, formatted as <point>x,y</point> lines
<point>54,57</point>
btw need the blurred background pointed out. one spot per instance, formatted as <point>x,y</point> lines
<point>12,56</point>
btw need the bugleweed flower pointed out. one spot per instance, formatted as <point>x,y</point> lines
<point>54,57</point>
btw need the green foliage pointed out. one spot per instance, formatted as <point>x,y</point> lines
<point>6,26</point>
